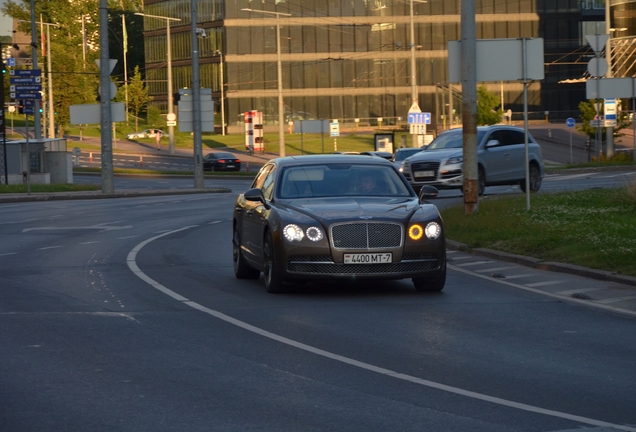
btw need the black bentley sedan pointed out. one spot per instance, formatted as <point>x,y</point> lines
<point>221,161</point>
<point>337,217</point>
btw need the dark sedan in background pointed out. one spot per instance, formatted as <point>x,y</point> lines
<point>221,161</point>
<point>337,217</point>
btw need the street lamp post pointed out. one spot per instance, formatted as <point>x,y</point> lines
<point>170,96</point>
<point>281,113</point>
<point>413,68</point>
<point>220,53</point>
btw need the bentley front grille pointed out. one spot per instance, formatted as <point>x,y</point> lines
<point>366,235</point>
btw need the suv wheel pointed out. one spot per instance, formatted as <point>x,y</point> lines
<point>535,179</point>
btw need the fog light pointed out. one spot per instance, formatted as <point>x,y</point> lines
<point>416,232</point>
<point>314,234</point>
<point>433,230</point>
<point>293,233</point>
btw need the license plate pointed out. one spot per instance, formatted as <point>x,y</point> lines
<point>368,258</point>
<point>424,173</point>
<point>230,166</point>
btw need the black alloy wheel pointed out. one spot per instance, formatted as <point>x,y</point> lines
<point>273,282</point>
<point>242,270</point>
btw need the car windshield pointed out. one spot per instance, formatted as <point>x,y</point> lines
<point>338,180</point>
<point>401,155</point>
<point>224,156</point>
<point>451,140</point>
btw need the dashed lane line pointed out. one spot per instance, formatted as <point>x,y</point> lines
<point>131,261</point>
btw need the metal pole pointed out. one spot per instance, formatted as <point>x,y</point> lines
<point>469,106</point>
<point>196,99</point>
<point>281,107</point>
<point>609,131</point>
<point>169,71</point>
<point>413,71</point>
<point>222,96</point>
<point>108,185</point>
<point>170,95</point>
<point>525,118</point>
<point>51,110</point>
<point>37,129</point>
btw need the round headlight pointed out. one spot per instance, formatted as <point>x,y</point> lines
<point>314,234</point>
<point>416,232</point>
<point>433,230</point>
<point>293,233</point>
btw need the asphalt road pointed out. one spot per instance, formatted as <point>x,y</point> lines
<point>124,315</point>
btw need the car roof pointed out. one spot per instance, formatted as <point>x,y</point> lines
<point>330,158</point>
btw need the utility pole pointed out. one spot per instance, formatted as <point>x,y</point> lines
<point>469,106</point>
<point>108,181</point>
<point>37,127</point>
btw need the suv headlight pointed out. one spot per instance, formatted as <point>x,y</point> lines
<point>455,160</point>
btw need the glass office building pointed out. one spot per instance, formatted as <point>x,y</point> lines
<point>351,59</point>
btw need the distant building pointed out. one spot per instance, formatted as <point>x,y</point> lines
<point>348,59</point>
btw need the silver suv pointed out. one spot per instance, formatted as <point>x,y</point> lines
<point>500,158</point>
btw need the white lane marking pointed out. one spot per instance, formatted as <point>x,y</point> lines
<point>544,293</point>
<point>615,299</point>
<point>102,227</point>
<point>570,292</point>
<point>9,253</point>
<point>461,258</point>
<point>570,177</point>
<point>132,255</point>
<point>520,276</point>
<point>474,263</point>
<point>49,247</point>
<point>129,237</point>
<point>546,283</point>
<point>495,269</point>
<point>90,242</point>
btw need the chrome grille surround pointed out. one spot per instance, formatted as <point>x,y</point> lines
<point>366,235</point>
<point>425,166</point>
<point>322,265</point>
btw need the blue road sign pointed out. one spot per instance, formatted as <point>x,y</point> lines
<point>23,88</point>
<point>25,72</point>
<point>28,102</point>
<point>10,61</point>
<point>570,122</point>
<point>25,80</point>
<point>26,95</point>
<point>29,110</point>
<point>420,118</point>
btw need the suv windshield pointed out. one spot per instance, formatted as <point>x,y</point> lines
<point>451,140</point>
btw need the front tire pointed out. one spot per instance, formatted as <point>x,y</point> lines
<point>535,180</point>
<point>242,270</point>
<point>434,284</point>
<point>273,281</point>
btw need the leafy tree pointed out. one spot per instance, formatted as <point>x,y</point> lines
<point>486,104</point>
<point>137,96</point>
<point>73,52</point>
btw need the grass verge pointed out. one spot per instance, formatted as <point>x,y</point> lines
<point>593,228</point>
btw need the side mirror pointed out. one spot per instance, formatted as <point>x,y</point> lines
<point>255,195</point>
<point>427,193</point>
<point>492,143</point>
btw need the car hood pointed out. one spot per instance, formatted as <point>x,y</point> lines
<point>427,155</point>
<point>331,210</point>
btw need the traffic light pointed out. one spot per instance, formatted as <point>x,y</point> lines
<point>20,107</point>
<point>41,110</point>
<point>176,97</point>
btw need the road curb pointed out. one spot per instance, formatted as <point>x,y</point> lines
<point>83,195</point>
